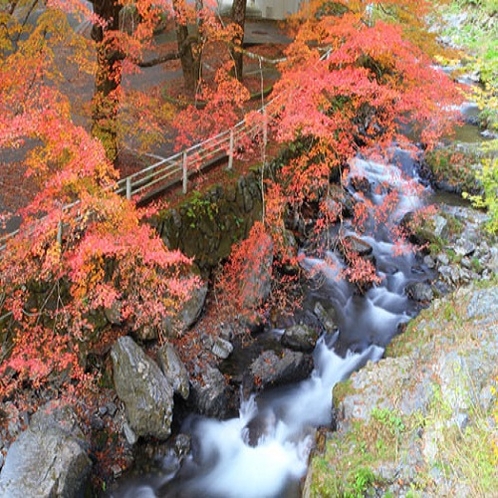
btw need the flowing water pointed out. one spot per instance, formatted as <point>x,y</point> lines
<point>263,453</point>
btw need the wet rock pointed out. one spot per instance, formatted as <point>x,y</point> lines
<point>173,369</point>
<point>326,317</point>
<point>361,184</point>
<point>270,369</point>
<point>182,445</point>
<point>357,245</point>
<point>143,388</point>
<point>300,338</point>
<point>208,395</point>
<point>420,291</point>
<point>343,198</point>
<point>260,427</point>
<point>48,459</point>
<point>221,348</point>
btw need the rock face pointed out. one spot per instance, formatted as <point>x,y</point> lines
<point>174,369</point>
<point>48,459</point>
<point>143,388</point>
<point>270,369</point>
<point>209,394</point>
<point>423,416</point>
<point>206,227</point>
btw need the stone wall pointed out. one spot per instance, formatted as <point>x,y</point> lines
<point>206,225</point>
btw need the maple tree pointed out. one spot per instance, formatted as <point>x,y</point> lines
<point>82,252</point>
<point>354,84</point>
<point>238,15</point>
<point>119,49</point>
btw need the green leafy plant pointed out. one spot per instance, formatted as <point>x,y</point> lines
<point>199,207</point>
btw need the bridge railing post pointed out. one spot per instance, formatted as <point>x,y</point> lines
<point>128,188</point>
<point>184,172</point>
<point>231,149</point>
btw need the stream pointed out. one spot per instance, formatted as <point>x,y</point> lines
<point>263,453</point>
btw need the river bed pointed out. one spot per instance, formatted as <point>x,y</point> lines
<point>264,451</point>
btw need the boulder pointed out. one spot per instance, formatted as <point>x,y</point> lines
<point>143,388</point>
<point>48,459</point>
<point>174,369</point>
<point>326,317</point>
<point>270,369</point>
<point>208,395</point>
<point>420,291</point>
<point>189,312</point>
<point>300,338</point>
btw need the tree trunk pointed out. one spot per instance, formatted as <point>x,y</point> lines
<point>189,59</point>
<point>239,18</point>
<point>108,76</point>
<point>190,64</point>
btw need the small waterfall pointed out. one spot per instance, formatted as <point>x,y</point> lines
<point>263,453</point>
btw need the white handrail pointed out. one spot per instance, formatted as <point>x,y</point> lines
<point>171,169</point>
<point>177,164</point>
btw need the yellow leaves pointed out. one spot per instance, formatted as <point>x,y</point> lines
<point>51,262</point>
<point>90,274</point>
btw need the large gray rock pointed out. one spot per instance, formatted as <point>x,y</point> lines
<point>48,459</point>
<point>143,388</point>
<point>428,405</point>
<point>270,369</point>
<point>188,313</point>
<point>209,393</point>
<point>300,338</point>
<point>174,369</point>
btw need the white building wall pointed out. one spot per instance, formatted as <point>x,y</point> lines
<point>270,9</point>
<point>277,9</point>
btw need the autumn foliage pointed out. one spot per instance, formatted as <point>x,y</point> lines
<point>353,83</point>
<point>82,253</point>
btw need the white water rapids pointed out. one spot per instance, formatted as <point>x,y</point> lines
<point>225,465</point>
<point>222,463</point>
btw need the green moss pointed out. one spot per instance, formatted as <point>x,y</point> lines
<point>340,391</point>
<point>414,336</point>
<point>454,167</point>
<point>351,475</point>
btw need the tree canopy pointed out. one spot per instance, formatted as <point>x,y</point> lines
<point>355,80</point>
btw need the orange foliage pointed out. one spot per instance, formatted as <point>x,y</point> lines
<point>81,249</point>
